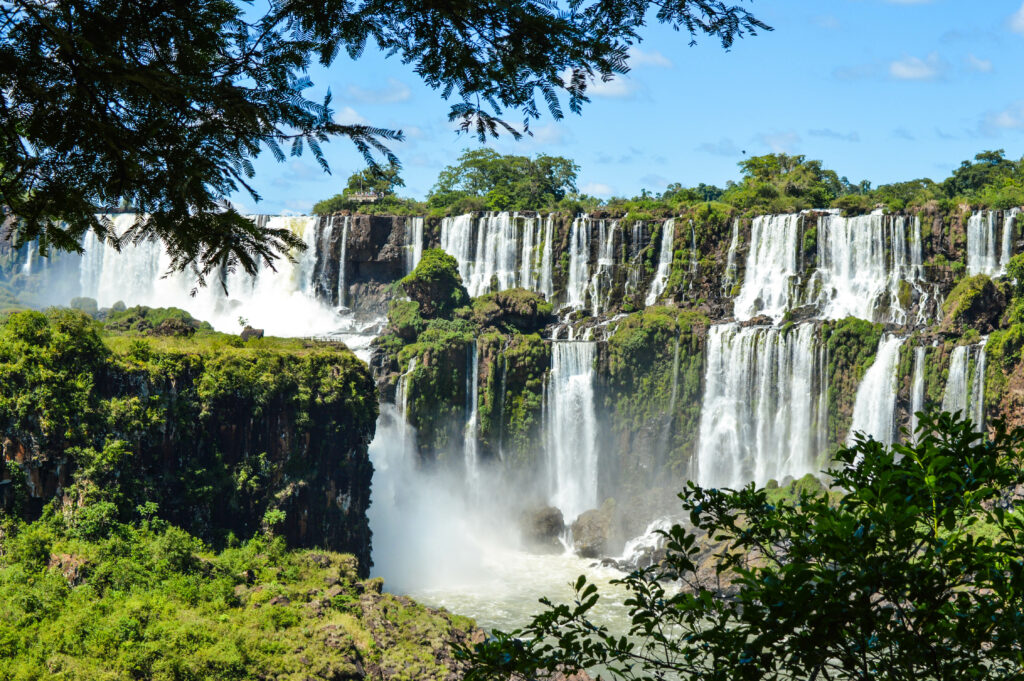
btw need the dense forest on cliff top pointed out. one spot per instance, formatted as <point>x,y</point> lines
<point>484,180</point>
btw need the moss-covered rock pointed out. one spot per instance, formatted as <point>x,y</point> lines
<point>975,303</point>
<point>436,285</point>
<point>851,345</point>
<point>512,311</point>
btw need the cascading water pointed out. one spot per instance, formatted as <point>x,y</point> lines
<point>547,286</point>
<point>668,236</point>
<point>496,250</point>
<point>762,413</point>
<point>1009,223</point>
<point>282,301</point>
<point>469,443</point>
<point>342,285</point>
<point>528,265</point>
<point>604,272</point>
<point>874,410</point>
<point>965,383</point>
<point>457,241</point>
<point>917,390</point>
<point>729,276</point>
<point>854,268</point>
<point>572,427</point>
<point>771,268</point>
<point>579,262</point>
<point>413,243</point>
<point>982,249</point>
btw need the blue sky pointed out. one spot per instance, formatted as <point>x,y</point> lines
<point>883,90</point>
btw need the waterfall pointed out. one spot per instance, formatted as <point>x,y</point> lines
<point>469,442</point>
<point>668,236</point>
<point>762,411</point>
<point>457,241</point>
<point>527,267</point>
<point>604,271</point>
<point>977,403</point>
<point>874,409</point>
<point>634,268</point>
<point>916,256</point>
<point>413,243</point>
<point>771,267</point>
<point>917,390</point>
<point>495,258</point>
<point>1009,222</point>
<point>572,428</point>
<point>965,383</point>
<point>693,248</point>
<point>729,277</point>
<point>342,263</point>
<point>854,267</point>
<point>579,262</point>
<point>982,250</point>
<point>547,287</point>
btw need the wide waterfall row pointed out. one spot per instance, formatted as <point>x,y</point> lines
<point>869,266</point>
<point>499,251</point>
<point>298,296</point>
<point>763,415</point>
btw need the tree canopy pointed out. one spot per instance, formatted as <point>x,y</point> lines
<point>162,107</point>
<point>909,568</point>
<point>504,182</point>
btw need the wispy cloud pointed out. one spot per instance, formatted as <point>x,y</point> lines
<point>779,142</point>
<point>395,91</point>
<point>1010,118</point>
<point>1017,21</point>
<point>914,68</point>
<point>909,2</point>
<point>903,134</point>
<point>723,147</point>
<point>857,72</point>
<point>833,134</point>
<point>348,116</point>
<point>978,64</point>
<point>827,21</point>
<point>638,57</point>
<point>653,181</point>
<point>597,189</point>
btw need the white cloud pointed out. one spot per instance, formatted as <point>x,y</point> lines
<point>550,134</point>
<point>395,91</point>
<point>638,57</point>
<point>1017,21</point>
<point>827,21</point>
<point>915,68</point>
<point>619,87</point>
<point>779,142</point>
<point>349,116</point>
<point>597,189</point>
<point>1010,118</point>
<point>978,64</point>
<point>616,88</point>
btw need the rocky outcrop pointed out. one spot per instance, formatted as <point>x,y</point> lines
<point>216,437</point>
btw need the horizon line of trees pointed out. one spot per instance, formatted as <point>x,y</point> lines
<point>485,180</point>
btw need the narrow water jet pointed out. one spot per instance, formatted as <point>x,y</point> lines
<point>572,428</point>
<point>874,410</point>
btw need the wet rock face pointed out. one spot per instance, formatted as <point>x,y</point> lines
<point>542,529</point>
<point>591,531</point>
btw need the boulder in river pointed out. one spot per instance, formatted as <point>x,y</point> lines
<point>591,530</point>
<point>541,529</point>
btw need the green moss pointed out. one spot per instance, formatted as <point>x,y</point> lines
<point>435,284</point>
<point>147,601</point>
<point>851,345</point>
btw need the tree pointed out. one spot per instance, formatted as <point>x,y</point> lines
<point>970,178</point>
<point>161,107</point>
<point>911,568</point>
<point>379,180</point>
<point>505,182</point>
<point>777,182</point>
